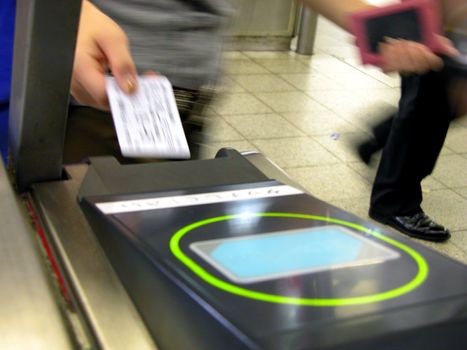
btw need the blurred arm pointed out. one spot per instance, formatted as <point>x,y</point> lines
<point>403,56</point>
<point>337,11</point>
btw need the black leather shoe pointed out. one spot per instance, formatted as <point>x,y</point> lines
<point>366,149</point>
<point>418,225</point>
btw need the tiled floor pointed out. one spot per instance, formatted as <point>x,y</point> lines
<point>304,112</point>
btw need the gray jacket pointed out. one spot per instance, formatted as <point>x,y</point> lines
<point>181,39</point>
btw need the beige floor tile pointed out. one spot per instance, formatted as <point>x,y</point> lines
<point>355,79</point>
<point>218,130</point>
<point>243,66</point>
<point>327,41</point>
<point>234,55</point>
<point>311,81</point>
<point>260,126</point>
<point>229,86</point>
<point>262,83</point>
<point>290,65</point>
<point>461,121</point>
<point>360,107</point>
<point>451,170</point>
<point>342,52</point>
<point>446,151</point>
<point>391,79</point>
<point>355,205</point>
<point>280,55</point>
<point>295,152</point>
<point>331,182</point>
<point>367,172</point>
<point>329,38</point>
<point>320,122</point>
<point>462,191</point>
<point>459,239</point>
<point>241,103</point>
<point>457,139</point>
<point>342,146</point>
<point>328,65</point>
<point>446,207</point>
<point>430,184</point>
<point>210,112</point>
<point>295,101</point>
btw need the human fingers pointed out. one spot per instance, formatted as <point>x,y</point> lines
<point>117,53</point>
<point>421,59</point>
<point>88,81</point>
<point>150,73</point>
<point>391,56</point>
<point>408,57</point>
<point>101,44</point>
<point>446,47</point>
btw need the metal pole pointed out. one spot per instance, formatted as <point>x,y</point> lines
<point>306,31</point>
<point>45,36</point>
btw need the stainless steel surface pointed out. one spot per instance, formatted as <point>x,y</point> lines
<point>270,169</point>
<point>45,36</point>
<point>306,31</point>
<point>100,295</point>
<point>30,317</point>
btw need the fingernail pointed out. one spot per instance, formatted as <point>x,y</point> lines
<point>131,84</point>
<point>454,51</point>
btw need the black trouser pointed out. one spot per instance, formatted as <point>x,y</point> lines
<point>91,132</point>
<point>414,142</point>
<point>382,130</point>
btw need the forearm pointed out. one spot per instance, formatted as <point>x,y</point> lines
<point>337,11</point>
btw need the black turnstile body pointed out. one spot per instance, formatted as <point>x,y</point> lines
<point>404,297</point>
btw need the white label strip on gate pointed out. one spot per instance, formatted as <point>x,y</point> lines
<point>195,199</point>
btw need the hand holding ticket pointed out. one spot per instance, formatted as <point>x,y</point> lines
<point>404,37</point>
<point>147,122</point>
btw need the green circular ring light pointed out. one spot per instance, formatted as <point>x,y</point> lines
<point>280,299</point>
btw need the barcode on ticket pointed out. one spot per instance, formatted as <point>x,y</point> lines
<point>147,122</point>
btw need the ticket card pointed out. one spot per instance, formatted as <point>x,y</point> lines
<point>147,122</point>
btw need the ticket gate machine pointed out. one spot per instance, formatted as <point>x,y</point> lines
<point>251,263</point>
<point>226,252</point>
